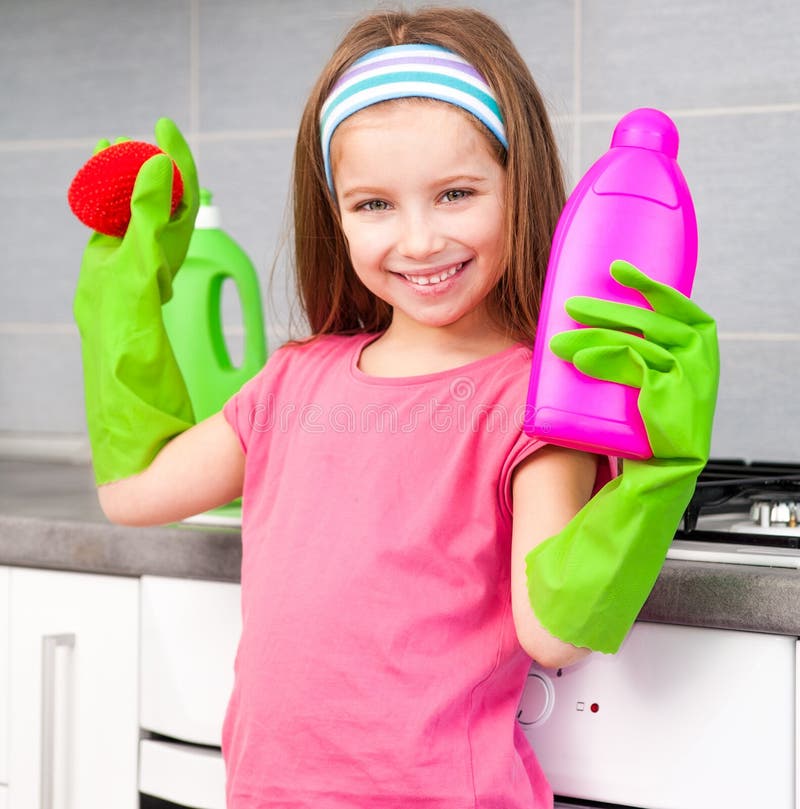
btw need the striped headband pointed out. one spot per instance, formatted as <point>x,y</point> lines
<point>408,71</point>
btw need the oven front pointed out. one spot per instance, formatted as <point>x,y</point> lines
<point>189,631</point>
<point>680,718</point>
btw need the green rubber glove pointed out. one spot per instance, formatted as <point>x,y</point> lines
<point>587,583</point>
<point>136,399</point>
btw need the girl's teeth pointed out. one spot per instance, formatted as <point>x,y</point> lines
<point>433,279</point>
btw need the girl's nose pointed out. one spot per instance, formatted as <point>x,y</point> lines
<point>419,237</point>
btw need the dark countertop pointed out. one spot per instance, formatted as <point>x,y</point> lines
<point>50,518</point>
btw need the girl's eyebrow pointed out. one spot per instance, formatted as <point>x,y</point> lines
<point>460,178</point>
<point>361,190</point>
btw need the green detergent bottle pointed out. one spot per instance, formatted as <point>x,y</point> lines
<point>193,317</point>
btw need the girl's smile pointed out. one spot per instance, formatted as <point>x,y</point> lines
<point>420,195</point>
<point>436,278</point>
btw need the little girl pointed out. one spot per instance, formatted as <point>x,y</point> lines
<point>391,500</point>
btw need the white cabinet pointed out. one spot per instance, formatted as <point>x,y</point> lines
<point>72,713</point>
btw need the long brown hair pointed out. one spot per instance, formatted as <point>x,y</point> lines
<point>332,297</point>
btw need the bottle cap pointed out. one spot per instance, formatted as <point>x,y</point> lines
<point>207,214</point>
<point>647,128</point>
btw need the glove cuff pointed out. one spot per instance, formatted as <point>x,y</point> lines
<point>588,583</point>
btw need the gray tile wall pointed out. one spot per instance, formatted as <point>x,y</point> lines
<point>234,74</point>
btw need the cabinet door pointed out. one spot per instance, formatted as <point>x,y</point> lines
<point>73,707</point>
<point>4,633</point>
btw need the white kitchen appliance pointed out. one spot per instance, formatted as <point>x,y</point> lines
<point>686,717</point>
<point>680,718</point>
<point>189,633</point>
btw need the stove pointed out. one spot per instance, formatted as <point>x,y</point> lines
<point>686,717</point>
<point>743,513</point>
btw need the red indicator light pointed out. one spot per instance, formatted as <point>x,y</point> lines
<point>594,707</point>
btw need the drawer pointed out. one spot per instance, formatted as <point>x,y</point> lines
<point>190,631</point>
<point>184,775</point>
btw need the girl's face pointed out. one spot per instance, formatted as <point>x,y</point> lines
<point>421,201</point>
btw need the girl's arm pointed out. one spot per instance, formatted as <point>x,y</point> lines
<point>197,470</point>
<point>549,488</point>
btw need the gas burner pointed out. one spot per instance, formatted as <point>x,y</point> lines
<point>736,486</point>
<point>774,530</point>
<point>777,516</point>
<point>747,509</point>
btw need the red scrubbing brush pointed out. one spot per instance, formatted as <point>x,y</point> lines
<point>100,193</point>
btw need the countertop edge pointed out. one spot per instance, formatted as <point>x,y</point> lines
<point>181,551</point>
<point>703,594</point>
<point>726,596</point>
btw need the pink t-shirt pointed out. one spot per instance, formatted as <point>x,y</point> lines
<point>379,665</point>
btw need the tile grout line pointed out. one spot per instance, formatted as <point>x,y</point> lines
<point>70,329</point>
<point>41,145</point>
<point>702,112</point>
<point>83,143</point>
<point>41,329</point>
<point>759,337</point>
<point>577,34</point>
<point>194,76</point>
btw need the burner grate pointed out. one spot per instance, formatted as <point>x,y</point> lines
<point>731,486</point>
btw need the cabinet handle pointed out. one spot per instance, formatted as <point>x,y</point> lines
<point>49,645</point>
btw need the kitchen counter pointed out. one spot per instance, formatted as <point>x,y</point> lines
<point>50,518</point>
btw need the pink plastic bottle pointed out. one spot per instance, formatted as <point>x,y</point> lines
<point>632,204</point>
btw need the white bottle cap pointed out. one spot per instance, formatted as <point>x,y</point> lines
<point>208,216</point>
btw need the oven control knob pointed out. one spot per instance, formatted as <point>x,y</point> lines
<point>537,700</point>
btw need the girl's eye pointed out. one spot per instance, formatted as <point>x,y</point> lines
<point>374,205</point>
<point>455,194</point>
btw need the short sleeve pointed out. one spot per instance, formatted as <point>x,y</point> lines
<point>238,409</point>
<point>524,447</point>
<point>246,411</point>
